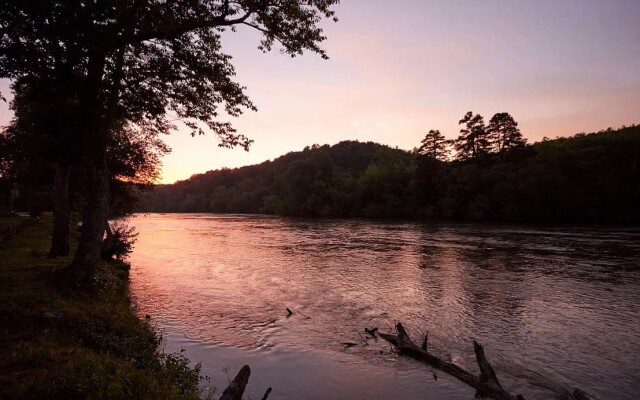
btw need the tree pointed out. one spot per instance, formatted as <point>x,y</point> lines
<point>145,62</point>
<point>435,146</point>
<point>473,141</point>
<point>432,153</point>
<point>41,129</point>
<point>504,132</point>
<point>133,159</point>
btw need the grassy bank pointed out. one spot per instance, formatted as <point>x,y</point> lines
<point>60,344</point>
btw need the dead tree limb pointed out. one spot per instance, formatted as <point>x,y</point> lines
<point>362,337</point>
<point>487,388</point>
<point>267,393</point>
<point>425,342</point>
<point>577,394</point>
<point>487,374</point>
<point>580,395</point>
<point>486,385</point>
<point>235,390</point>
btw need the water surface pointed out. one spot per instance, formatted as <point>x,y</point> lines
<point>554,307</point>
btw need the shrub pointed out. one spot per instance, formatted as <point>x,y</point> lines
<point>119,241</point>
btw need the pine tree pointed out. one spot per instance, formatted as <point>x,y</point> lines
<point>504,133</point>
<point>435,146</point>
<point>473,141</point>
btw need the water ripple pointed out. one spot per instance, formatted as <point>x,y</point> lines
<point>554,307</point>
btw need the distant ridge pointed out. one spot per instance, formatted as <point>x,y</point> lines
<point>592,178</point>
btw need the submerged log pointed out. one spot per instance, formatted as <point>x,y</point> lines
<point>235,390</point>
<point>580,395</point>
<point>487,374</point>
<point>577,394</point>
<point>486,385</point>
<point>487,388</point>
<point>266,394</point>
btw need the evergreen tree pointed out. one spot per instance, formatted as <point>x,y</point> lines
<point>434,146</point>
<point>504,133</point>
<point>473,141</point>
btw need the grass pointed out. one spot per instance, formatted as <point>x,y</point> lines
<point>58,344</point>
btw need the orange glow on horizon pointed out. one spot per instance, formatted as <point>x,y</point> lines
<point>559,68</point>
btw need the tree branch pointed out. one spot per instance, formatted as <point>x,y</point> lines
<point>185,28</point>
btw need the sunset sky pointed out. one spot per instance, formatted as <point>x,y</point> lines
<point>399,68</point>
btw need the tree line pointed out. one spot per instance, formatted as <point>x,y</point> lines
<point>587,178</point>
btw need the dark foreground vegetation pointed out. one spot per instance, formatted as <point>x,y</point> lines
<point>590,178</point>
<point>60,344</point>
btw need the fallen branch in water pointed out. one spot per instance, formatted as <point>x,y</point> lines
<point>267,393</point>
<point>362,337</point>
<point>235,390</point>
<point>487,384</point>
<point>290,313</point>
<point>371,331</point>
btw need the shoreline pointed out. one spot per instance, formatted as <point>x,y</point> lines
<point>60,344</point>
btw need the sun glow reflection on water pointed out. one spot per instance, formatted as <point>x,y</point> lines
<point>553,306</point>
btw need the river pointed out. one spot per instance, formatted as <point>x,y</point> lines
<point>553,306</point>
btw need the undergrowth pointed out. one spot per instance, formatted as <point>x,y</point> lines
<point>57,343</point>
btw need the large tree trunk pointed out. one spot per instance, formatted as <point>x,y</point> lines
<point>94,217</point>
<point>94,222</point>
<point>60,237</point>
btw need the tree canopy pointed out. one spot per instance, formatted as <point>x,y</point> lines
<point>144,65</point>
<point>435,146</point>
<point>504,133</point>
<point>473,141</point>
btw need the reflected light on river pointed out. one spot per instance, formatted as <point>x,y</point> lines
<point>554,307</point>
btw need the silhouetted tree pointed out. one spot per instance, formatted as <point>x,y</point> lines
<point>39,152</point>
<point>134,161</point>
<point>434,145</point>
<point>40,130</point>
<point>504,133</point>
<point>473,141</point>
<point>146,62</point>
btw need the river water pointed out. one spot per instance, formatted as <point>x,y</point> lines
<point>554,307</point>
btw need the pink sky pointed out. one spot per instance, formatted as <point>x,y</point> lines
<point>400,68</point>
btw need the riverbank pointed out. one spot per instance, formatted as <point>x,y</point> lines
<point>60,344</point>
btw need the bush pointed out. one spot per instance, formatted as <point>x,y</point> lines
<point>119,242</point>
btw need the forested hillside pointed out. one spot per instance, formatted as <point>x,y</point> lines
<point>585,178</point>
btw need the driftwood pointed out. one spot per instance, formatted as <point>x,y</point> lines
<point>486,385</point>
<point>371,331</point>
<point>235,390</point>
<point>290,313</point>
<point>577,394</point>
<point>267,393</point>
